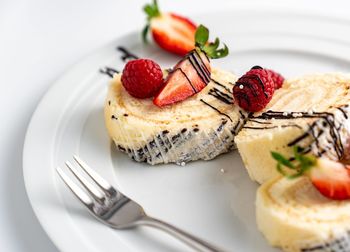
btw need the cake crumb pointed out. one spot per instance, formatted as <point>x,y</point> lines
<point>222,170</point>
<point>183,164</point>
<point>297,115</point>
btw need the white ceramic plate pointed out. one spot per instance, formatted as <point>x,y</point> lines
<point>199,198</point>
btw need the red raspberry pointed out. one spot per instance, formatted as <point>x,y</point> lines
<point>254,90</point>
<point>142,78</point>
<point>277,78</point>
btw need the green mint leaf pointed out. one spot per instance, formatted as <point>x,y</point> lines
<point>297,152</point>
<point>307,161</point>
<point>201,36</point>
<point>280,170</point>
<point>300,166</point>
<point>282,160</point>
<point>294,176</point>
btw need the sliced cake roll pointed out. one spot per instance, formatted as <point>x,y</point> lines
<point>311,112</point>
<point>294,215</point>
<point>200,127</point>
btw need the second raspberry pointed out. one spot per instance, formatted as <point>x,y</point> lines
<point>254,90</point>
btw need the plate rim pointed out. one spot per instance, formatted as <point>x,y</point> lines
<point>39,109</point>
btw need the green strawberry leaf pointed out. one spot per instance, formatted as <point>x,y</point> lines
<point>201,36</point>
<point>220,53</point>
<point>211,49</point>
<point>144,33</point>
<point>151,10</point>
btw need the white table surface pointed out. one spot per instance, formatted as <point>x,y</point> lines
<point>41,39</point>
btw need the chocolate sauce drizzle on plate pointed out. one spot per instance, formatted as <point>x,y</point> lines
<point>109,71</point>
<point>126,55</point>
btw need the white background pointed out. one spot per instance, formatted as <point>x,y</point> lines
<point>41,39</point>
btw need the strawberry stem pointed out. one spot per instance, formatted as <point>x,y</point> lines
<point>151,10</point>
<point>302,163</point>
<point>210,48</point>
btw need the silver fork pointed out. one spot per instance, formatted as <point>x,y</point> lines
<point>116,210</point>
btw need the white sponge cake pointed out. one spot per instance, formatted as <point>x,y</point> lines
<point>200,127</point>
<point>311,111</point>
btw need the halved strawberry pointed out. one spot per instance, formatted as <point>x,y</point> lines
<point>172,32</point>
<point>188,77</point>
<point>172,92</point>
<point>191,74</point>
<point>330,178</point>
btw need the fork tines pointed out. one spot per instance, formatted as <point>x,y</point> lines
<point>101,194</point>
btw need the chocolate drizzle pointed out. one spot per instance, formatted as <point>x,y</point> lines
<point>166,146</point>
<point>217,110</point>
<point>272,127</point>
<point>279,115</point>
<point>245,81</point>
<point>222,85</point>
<point>126,55</point>
<point>298,139</point>
<point>200,67</point>
<point>339,244</point>
<point>222,96</point>
<point>342,110</point>
<point>189,81</point>
<point>108,71</point>
<point>322,136</point>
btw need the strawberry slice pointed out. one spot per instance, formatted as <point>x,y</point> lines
<point>189,77</point>
<point>332,179</point>
<point>173,92</point>
<point>191,74</point>
<point>172,32</point>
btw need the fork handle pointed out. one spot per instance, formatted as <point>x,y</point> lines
<point>194,242</point>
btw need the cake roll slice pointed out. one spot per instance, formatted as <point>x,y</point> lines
<point>200,127</point>
<point>311,112</point>
<point>296,217</point>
